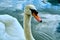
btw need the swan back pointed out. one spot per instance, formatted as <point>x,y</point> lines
<point>13,30</point>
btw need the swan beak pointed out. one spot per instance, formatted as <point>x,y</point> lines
<point>37,17</point>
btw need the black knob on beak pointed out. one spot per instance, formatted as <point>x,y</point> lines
<point>41,21</point>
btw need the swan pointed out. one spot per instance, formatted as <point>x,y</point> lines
<point>10,29</point>
<point>30,10</point>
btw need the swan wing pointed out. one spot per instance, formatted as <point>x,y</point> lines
<point>10,28</point>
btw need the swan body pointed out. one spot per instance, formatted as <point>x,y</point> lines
<point>10,29</point>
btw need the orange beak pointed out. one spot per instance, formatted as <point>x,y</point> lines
<point>37,17</point>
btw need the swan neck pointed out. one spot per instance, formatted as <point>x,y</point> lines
<point>27,27</point>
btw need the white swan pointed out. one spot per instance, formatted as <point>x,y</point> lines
<point>29,11</point>
<point>10,29</point>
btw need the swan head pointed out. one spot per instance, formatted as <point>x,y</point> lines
<point>31,10</point>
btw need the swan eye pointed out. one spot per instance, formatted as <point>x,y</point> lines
<point>34,11</point>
